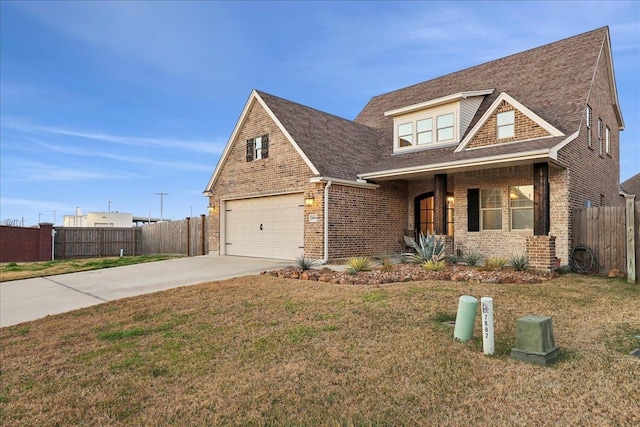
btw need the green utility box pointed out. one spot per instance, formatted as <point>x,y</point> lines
<point>534,341</point>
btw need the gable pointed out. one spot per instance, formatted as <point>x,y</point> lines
<point>527,125</point>
<point>284,166</point>
<point>524,129</point>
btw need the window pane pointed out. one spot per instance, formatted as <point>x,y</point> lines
<point>506,131</point>
<point>492,219</point>
<point>424,125</point>
<point>406,141</point>
<point>491,198</point>
<point>521,196</point>
<point>506,118</point>
<point>522,219</point>
<point>405,129</point>
<point>445,134</point>
<point>445,121</point>
<point>425,137</point>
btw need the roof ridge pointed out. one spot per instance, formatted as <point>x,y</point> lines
<point>606,27</point>
<point>260,92</point>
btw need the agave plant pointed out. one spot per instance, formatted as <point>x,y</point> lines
<point>433,265</point>
<point>304,263</point>
<point>359,263</point>
<point>427,248</point>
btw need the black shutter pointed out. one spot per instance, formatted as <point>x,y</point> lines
<point>249,150</point>
<point>265,146</point>
<point>473,209</point>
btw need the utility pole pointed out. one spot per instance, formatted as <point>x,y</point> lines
<point>54,217</point>
<point>161,201</point>
<point>39,218</point>
<point>109,215</point>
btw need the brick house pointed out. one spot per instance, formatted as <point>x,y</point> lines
<point>495,157</point>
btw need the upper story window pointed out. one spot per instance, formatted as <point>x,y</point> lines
<point>588,124</point>
<point>426,129</point>
<point>491,209</point>
<point>607,140</point>
<point>258,148</point>
<point>506,124</point>
<point>600,126</point>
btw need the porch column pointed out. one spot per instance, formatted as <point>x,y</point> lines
<point>541,212</point>
<point>440,204</point>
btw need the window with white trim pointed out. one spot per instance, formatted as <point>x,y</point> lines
<point>491,209</point>
<point>588,125</point>
<point>426,129</point>
<point>521,207</point>
<point>506,124</point>
<point>607,140</point>
<point>600,147</point>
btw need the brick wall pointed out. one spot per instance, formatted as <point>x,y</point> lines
<point>366,221</point>
<point>590,174</point>
<point>524,128</point>
<point>281,172</point>
<point>20,244</point>
<point>541,251</point>
<point>505,243</point>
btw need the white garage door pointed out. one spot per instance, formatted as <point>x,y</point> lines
<point>265,227</point>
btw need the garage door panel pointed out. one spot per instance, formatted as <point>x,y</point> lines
<point>282,220</point>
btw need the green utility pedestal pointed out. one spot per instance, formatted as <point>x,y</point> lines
<point>534,341</point>
<point>466,318</point>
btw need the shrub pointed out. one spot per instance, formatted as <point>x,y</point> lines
<point>433,265</point>
<point>359,263</point>
<point>452,259</point>
<point>495,263</point>
<point>386,264</point>
<point>304,263</point>
<point>519,262</point>
<point>427,248</point>
<point>472,258</point>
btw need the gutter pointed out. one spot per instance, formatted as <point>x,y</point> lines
<point>326,223</point>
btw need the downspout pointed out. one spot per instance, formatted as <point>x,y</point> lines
<point>326,223</point>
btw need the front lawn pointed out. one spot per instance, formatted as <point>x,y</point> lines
<point>26,270</point>
<point>262,350</point>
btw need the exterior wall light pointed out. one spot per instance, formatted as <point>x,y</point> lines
<point>308,199</point>
<point>211,208</point>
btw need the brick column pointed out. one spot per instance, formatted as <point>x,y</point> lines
<point>541,251</point>
<point>45,241</point>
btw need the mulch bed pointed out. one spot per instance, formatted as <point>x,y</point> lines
<point>413,273</point>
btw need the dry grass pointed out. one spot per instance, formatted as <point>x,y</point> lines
<point>27,270</point>
<point>266,351</point>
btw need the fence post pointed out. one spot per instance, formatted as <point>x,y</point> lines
<point>631,244</point>
<point>188,236</point>
<point>203,224</point>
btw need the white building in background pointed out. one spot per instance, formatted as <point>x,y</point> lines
<point>105,219</point>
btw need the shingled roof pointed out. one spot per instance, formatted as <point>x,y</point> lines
<point>632,186</point>
<point>551,80</point>
<point>337,147</point>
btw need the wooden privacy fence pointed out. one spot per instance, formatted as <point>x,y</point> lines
<point>87,242</point>
<point>604,230</point>
<point>187,237</point>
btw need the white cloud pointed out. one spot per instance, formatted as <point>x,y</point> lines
<point>174,164</point>
<point>16,169</point>
<point>28,127</point>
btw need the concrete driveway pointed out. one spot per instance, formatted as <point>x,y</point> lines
<point>30,299</point>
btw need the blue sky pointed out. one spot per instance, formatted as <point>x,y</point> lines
<point>117,101</point>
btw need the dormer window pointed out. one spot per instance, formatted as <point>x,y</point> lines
<point>434,123</point>
<point>426,129</point>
